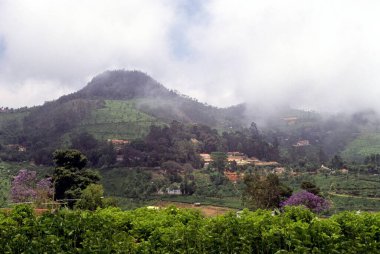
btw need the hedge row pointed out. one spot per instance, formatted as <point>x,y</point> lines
<point>173,230</point>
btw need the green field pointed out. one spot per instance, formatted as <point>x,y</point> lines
<point>347,192</point>
<point>118,120</point>
<point>362,146</point>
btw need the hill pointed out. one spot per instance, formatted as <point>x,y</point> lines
<point>113,105</point>
<point>364,145</point>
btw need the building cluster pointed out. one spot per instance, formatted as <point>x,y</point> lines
<point>16,147</point>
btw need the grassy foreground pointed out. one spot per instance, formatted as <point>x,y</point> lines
<point>174,230</point>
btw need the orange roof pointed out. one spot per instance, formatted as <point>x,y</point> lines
<point>118,141</point>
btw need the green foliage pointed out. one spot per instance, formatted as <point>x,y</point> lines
<point>118,119</point>
<point>362,146</point>
<point>174,230</point>
<point>219,160</point>
<point>264,192</point>
<point>310,187</point>
<point>91,197</point>
<point>69,176</point>
<point>70,159</point>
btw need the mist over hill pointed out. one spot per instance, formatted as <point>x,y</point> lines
<point>122,104</point>
<point>115,104</point>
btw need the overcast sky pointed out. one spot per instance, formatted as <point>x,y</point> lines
<point>312,54</point>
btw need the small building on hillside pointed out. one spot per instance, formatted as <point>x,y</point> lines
<point>206,157</point>
<point>16,147</point>
<point>173,189</point>
<point>301,143</point>
<point>266,163</point>
<point>241,158</point>
<point>232,176</point>
<point>290,120</point>
<point>279,170</point>
<point>118,142</point>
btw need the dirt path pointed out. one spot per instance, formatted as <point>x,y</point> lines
<point>207,210</point>
<point>350,196</point>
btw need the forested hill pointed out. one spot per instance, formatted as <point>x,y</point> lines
<point>156,100</point>
<point>113,105</point>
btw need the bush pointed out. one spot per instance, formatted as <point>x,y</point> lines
<point>304,198</point>
<point>174,230</point>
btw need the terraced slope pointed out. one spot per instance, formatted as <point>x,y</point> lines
<point>362,146</point>
<point>118,119</point>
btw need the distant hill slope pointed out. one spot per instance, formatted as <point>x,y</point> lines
<point>114,104</point>
<point>154,99</point>
<point>364,145</point>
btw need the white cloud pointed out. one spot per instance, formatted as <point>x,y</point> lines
<point>31,92</point>
<point>315,54</point>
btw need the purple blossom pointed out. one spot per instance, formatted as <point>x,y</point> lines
<point>313,202</point>
<point>45,187</point>
<point>25,187</point>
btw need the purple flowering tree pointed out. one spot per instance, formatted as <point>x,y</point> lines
<point>313,202</point>
<point>26,188</point>
<point>23,186</point>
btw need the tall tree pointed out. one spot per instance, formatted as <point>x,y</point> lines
<point>219,160</point>
<point>70,177</point>
<point>264,192</point>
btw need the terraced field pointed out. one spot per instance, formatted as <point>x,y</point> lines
<point>362,146</point>
<point>118,120</point>
<point>346,192</point>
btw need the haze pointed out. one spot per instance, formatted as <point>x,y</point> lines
<point>322,55</point>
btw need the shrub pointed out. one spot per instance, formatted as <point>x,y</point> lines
<point>313,202</point>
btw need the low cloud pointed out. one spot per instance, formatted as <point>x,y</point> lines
<point>309,54</point>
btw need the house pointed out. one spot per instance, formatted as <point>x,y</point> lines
<point>290,120</point>
<point>118,142</point>
<point>232,176</point>
<point>302,143</point>
<point>266,163</point>
<point>279,170</point>
<point>16,147</point>
<point>206,157</point>
<point>241,158</point>
<point>173,191</point>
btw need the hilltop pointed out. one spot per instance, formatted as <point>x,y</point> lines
<point>113,105</point>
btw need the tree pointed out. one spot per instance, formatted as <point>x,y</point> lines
<point>313,202</point>
<point>26,188</point>
<point>310,187</point>
<point>69,159</point>
<point>337,162</point>
<point>264,192</point>
<point>70,177</point>
<point>91,197</point>
<point>23,186</point>
<point>219,160</point>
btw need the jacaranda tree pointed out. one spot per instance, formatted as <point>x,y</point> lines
<point>313,202</point>
<point>26,187</point>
